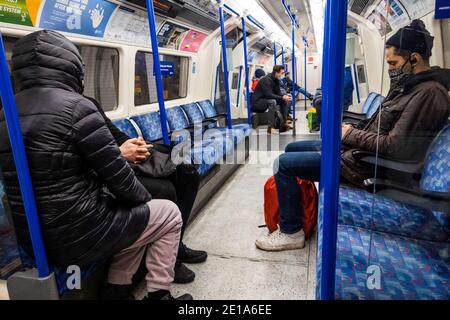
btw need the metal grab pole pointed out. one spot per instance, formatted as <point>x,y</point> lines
<point>332,84</point>
<point>247,79</point>
<point>157,69</point>
<point>294,80</point>
<point>22,169</point>
<point>225,64</point>
<point>282,57</point>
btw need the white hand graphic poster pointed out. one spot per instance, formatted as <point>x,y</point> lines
<point>86,17</point>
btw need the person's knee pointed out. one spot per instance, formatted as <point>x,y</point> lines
<point>168,212</point>
<point>279,165</point>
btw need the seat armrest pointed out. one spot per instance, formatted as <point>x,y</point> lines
<point>351,121</point>
<point>405,166</point>
<point>354,115</point>
<point>436,201</point>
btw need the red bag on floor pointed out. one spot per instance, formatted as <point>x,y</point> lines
<point>309,204</point>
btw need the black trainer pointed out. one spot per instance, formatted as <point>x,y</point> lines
<point>182,273</point>
<point>187,255</point>
<point>165,295</point>
<point>116,292</point>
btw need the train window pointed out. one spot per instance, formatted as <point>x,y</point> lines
<point>175,85</point>
<point>101,80</point>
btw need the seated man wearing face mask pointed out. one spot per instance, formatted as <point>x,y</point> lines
<point>415,110</point>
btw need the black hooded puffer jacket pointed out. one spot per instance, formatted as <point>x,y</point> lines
<point>90,204</point>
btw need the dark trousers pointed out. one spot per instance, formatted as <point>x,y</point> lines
<point>271,106</point>
<point>180,187</point>
<point>302,159</point>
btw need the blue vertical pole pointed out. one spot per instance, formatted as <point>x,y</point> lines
<point>306,86</point>
<point>294,80</point>
<point>247,79</point>
<point>282,57</point>
<point>239,87</point>
<point>225,64</point>
<point>356,83</point>
<point>22,169</point>
<point>274,53</point>
<point>332,84</point>
<point>157,69</point>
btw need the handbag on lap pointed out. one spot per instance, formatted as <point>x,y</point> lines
<point>158,165</point>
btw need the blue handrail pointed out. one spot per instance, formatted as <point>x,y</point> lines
<point>256,22</point>
<point>356,83</point>
<point>305,42</point>
<point>225,64</point>
<point>239,87</point>
<point>157,69</point>
<point>333,95</point>
<point>247,79</point>
<point>274,53</point>
<point>294,79</point>
<point>21,162</point>
<point>282,58</point>
<point>230,9</point>
<point>288,11</point>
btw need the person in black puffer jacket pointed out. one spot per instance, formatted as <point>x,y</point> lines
<point>90,204</point>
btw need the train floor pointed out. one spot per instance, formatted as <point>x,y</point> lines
<point>227,228</point>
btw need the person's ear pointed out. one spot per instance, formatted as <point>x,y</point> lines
<point>415,58</point>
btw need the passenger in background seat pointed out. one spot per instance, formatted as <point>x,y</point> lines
<point>180,187</point>
<point>415,110</point>
<point>268,96</point>
<point>91,206</point>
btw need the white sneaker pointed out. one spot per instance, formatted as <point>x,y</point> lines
<point>278,241</point>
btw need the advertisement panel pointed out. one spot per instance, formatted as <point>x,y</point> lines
<point>22,12</point>
<point>85,17</point>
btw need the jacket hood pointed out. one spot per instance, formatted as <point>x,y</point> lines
<point>47,59</point>
<point>435,74</point>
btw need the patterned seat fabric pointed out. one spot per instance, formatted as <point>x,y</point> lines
<point>150,125</point>
<point>208,109</point>
<point>363,209</point>
<point>194,113</point>
<point>410,269</point>
<point>436,172</point>
<point>126,126</point>
<point>177,119</point>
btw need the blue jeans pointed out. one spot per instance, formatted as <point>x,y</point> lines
<point>302,159</point>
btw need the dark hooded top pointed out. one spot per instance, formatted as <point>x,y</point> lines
<point>90,204</point>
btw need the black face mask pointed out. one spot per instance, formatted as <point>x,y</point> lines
<point>399,75</point>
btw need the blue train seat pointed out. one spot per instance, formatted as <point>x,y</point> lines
<point>240,131</point>
<point>407,238</point>
<point>150,126</point>
<point>126,126</point>
<point>370,106</point>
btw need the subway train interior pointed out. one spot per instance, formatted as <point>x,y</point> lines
<point>225,150</point>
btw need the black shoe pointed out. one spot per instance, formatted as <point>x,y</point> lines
<point>165,295</point>
<point>185,296</point>
<point>182,273</point>
<point>187,255</point>
<point>116,292</point>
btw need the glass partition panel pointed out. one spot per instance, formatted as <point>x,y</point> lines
<point>393,233</point>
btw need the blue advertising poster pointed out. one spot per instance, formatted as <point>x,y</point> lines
<point>86,17</point>
<point>442,9</point>
<point>167,68</point>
